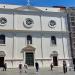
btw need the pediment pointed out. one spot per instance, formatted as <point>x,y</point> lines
<point>54,53</point>
<point>2,54</point>
<point>28,48</point>
<point>28,8</point>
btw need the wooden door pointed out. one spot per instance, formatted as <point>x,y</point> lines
<point>1,61</point>
<point>55,61</point>
<point>30,59</point>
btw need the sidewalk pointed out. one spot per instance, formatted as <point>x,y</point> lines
<point>32,71</point>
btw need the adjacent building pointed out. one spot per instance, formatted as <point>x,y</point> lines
<point>71,25</point>
<point>29,34</point>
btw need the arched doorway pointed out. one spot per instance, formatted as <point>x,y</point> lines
<point>29,55</point>
<point>2,55</point>
<point>54,55</point>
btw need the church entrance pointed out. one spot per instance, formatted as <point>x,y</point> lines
<point>2,55</point>
<point>55,61</point>
<point>1,61</point>
<point>54,55</point>
<point>30,58</point>
<point>29,55</point>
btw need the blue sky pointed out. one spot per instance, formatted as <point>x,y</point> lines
<point>67,3</point>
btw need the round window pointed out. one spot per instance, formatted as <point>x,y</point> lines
<point>3,21</point>
<point>52,23</point>
<point>28,22</point>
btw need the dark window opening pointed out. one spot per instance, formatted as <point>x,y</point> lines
<point>53,40</point>
<point>74,61</point>
<point>2,39</point>
<point>29,39</point>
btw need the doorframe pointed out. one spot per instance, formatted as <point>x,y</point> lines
<point>3,59</point>
<point>57,60</point>
<point>25,56</point>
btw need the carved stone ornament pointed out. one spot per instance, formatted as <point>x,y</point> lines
<point>3,21</point>
<point>28,22</point>
<point>52,24</point>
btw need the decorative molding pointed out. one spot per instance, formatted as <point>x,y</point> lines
<point>33,31</point>
<point>13,59</point>
<point>51,59</point>
<point>2,44</point>
<point>43,59</point>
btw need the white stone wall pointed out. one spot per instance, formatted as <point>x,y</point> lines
<point>46,20</point>
<point>47,49</point>
<point>19,18</point>
<point>7,47</point>
<point>41,37</point>
<point>9,17</point>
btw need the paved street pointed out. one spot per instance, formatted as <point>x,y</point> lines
<point>31,71</point>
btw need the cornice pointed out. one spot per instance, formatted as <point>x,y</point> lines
<point>30,11</point>
<point>33,31</point>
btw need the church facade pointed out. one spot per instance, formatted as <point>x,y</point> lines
<point>29,34</point>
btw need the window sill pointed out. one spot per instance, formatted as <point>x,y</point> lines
<point>2,44</point>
